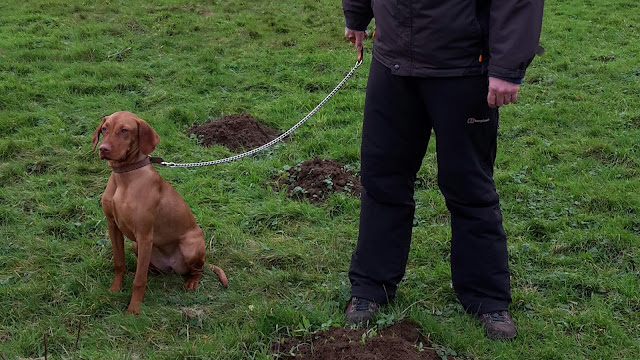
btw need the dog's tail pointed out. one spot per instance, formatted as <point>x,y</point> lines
<point>221,275</point>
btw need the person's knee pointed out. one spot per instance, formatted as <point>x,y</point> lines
<point>469,190</point>
<point>393,190</point>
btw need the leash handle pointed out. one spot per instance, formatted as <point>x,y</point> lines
<point>360,51</point>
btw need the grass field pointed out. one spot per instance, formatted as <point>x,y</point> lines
<point>568,171</point>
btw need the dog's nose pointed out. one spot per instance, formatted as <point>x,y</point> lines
<point>104,148</point>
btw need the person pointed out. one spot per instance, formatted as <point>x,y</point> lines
<point>446,66</point>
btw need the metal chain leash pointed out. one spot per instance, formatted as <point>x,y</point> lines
<point>272,142</point>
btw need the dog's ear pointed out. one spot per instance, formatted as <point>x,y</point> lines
<point>148,139</point>
<point>96,134</point>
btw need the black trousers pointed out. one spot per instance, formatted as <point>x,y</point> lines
<point>399,114</point>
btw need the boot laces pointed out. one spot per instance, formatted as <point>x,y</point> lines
<point>360,304</point>
<point>499,316</point>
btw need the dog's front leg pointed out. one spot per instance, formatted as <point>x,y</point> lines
<point>145,244</point>
<point>117,245</point>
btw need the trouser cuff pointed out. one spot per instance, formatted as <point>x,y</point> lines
<point>373,293</point>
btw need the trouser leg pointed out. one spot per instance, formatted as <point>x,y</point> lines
<point>394,140</point>
<point>466,137</point>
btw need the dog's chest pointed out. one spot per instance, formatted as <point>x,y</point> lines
<point>121,211</point>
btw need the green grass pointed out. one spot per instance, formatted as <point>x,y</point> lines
<point>567,171</point>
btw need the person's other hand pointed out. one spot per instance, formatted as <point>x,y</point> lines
<point>356,37</point>
<point>501,92</point>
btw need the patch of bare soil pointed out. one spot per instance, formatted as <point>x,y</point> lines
<point>237,132</point>
<point>400,341</point>
<point>316,179</point>
<point>5,337</point>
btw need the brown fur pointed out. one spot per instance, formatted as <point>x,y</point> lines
<point>145,208</point>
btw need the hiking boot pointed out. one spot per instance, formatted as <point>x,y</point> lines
<point>360,311</point>
<point>498,325</point>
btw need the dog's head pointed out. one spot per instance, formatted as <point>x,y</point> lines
<point>123,134</point>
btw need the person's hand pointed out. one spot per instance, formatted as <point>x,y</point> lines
<point>501,92</point>
<point>356,37</point>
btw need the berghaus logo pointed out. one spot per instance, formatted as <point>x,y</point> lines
<point>474,120</point>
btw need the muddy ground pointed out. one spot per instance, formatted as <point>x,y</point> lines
<point>402,341</point>
<point>313,180</point>
<point>238,132</point>
<point>316,179</point>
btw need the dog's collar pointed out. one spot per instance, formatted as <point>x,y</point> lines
<point>137,165</point>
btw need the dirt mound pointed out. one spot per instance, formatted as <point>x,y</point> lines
<point>400,341</point>
<point>237,132</point>
<point>316,179</point>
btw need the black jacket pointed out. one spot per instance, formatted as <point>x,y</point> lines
<point>442,38</point>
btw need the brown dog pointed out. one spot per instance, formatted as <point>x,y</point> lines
<point>142,206</point>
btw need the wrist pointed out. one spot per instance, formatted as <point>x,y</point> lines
<point>513,80</point>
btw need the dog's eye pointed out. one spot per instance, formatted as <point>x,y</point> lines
<point>104,129</point>
<point>124,130</point>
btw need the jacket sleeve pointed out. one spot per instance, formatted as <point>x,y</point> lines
<point>514,36</point>
<point>357,14</point>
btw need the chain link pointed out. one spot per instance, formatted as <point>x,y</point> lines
<point>272,142</point>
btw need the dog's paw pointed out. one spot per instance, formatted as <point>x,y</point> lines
<point>133,310</point>
<point>191,284</point>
